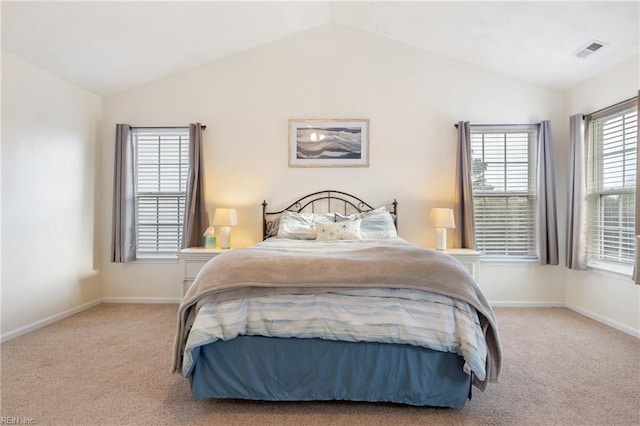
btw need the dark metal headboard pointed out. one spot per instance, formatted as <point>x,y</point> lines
<point>321,202</point>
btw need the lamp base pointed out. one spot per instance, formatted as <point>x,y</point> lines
<point>441,239</point>
<point>225,241</point>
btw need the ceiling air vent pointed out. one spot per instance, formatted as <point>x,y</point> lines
<point>591,47</point>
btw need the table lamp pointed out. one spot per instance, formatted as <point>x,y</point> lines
<point>225,218</point>
<point>442,219</point>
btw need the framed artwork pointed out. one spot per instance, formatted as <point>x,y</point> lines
<point>329,143</point>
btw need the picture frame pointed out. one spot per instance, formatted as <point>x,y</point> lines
<point>329,143</point>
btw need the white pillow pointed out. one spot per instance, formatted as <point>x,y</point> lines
<point>301,226</point>
<point>349,230</point>
<point>376,224</point>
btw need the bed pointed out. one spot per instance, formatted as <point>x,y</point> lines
<point>333,305</point>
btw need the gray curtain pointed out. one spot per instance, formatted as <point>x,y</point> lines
<point>463,208</point>
<point>123,228</point>
<point>196,220</point>
<point>546,194</point>
<point>576,256</point>
<point>636,265</point>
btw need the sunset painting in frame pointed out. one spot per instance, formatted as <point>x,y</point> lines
<point>329,143</point>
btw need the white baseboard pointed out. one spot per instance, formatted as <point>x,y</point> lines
<point>611,323</point>
<point>496,304</point>
<point>158,300</point>
<point>49,320</point>
<point>597,317</point>
<point>54,318</point>
<point>518,304</point>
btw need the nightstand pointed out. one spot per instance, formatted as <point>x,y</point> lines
<point>192,260</point>
<point>470,259</point>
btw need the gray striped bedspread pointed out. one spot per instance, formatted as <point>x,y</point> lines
<point>362,290</point>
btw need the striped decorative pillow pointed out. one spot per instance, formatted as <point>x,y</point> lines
<point>376,224</point>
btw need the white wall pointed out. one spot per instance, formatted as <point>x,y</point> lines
<point>412,99</point>
<point>611,298</point>
<point>49,133</point>
<point>57,181</point>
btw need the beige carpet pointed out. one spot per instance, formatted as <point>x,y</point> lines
<point>110,365</point>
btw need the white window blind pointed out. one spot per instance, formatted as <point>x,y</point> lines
<point>611,184</point>
<point>162,162</point>
<point>503,176</point>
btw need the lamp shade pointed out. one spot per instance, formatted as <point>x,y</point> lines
<point>225,217</point>
<point>442,218</point>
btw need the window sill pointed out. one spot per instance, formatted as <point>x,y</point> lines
<point>157,258</point>
<point>612,268</point>
<point>509,261</point>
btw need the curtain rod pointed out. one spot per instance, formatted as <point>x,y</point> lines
<point>202,126</point>
<point>610,107</point>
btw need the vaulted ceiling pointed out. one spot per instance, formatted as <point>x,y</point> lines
<point>108,47</point>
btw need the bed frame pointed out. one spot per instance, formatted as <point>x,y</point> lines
<point>294,369</point>
<point>320,202</point>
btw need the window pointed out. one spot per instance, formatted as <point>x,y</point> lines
<point>611,171</point>
<point>162,163</point>
<point>504,190</point>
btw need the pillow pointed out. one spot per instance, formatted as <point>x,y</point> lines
<point>273,225</point>
<point>376,224</point>
<point>349,230</point>
<point>301,226</point>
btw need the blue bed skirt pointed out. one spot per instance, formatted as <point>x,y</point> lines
<point>277,369</point>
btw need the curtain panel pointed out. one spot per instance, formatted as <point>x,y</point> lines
<point>463,207</point>
<point>123,227</point>
<point>196,220</point>
<point>636,264</point>
<point>546,196</point>
<point>576,255</point>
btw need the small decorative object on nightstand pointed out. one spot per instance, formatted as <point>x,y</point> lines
<point>442,219</point>
<point>469,258</point>
<point>210,238</point>
<point>192,260</point>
